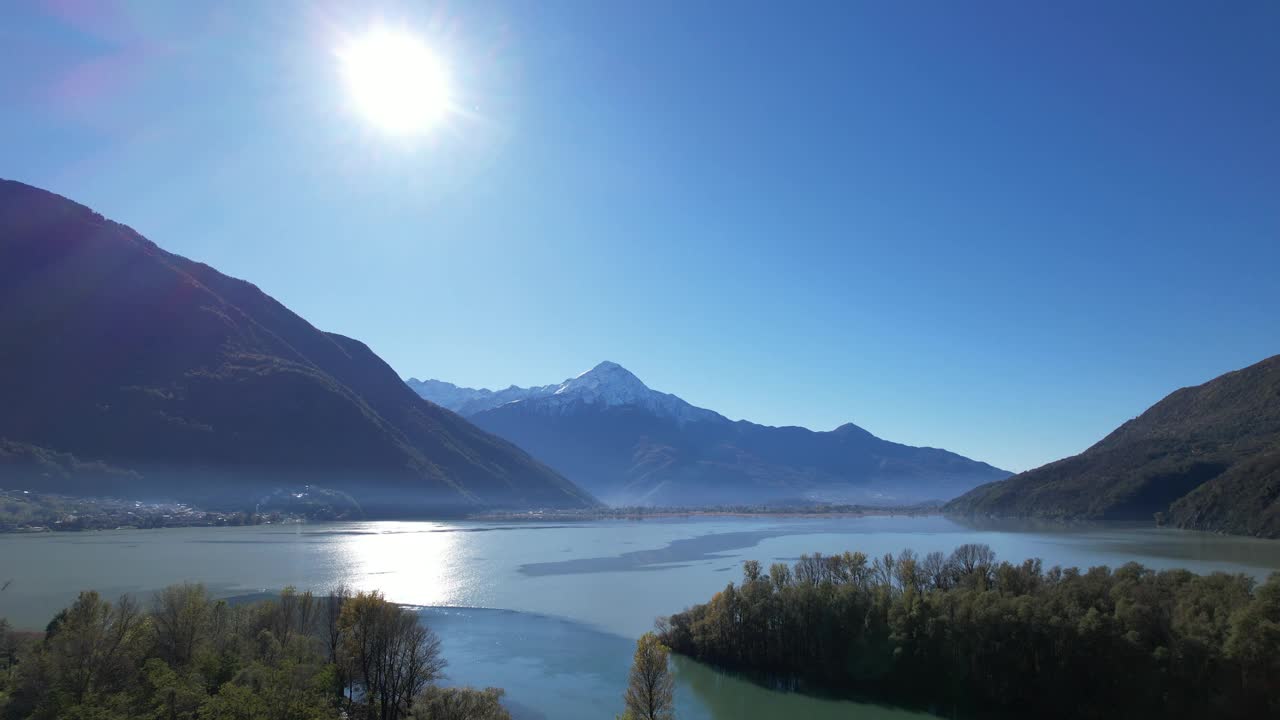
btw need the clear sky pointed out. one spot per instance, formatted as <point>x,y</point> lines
<point>1002,228</point>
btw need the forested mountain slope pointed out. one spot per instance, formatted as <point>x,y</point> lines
<point>128,369</point>
<point>1206,457</point>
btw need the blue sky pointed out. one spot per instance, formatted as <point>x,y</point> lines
<point>1002,228</point>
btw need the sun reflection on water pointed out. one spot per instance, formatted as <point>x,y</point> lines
<point>413,563</point>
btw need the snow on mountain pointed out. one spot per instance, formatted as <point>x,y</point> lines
<point>445,394</point>
<point>469,401</point>
<point>607,384</point>
<point>628,444</point>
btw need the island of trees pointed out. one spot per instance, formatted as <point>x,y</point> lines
<point>965,635</point>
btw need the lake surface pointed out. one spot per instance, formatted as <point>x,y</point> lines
<point>550,611</point>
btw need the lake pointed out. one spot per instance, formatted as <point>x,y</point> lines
<point>550,611</point>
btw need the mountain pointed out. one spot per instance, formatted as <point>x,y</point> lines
<point>1205,457</point>
<point>606,385</point>
<point>626,443</point>
<point>467,401</point>
<point>126,369</point>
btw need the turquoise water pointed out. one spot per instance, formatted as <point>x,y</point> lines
<point>557,668</point>
<point>562,602</point>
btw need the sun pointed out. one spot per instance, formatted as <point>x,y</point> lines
<point>395,81</point>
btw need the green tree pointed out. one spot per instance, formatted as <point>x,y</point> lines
<point>971,636</point>
<point>650,692</point>
<point>174,696</point>
<point>95,649</point>
<point>394,657</point>
<point>438,703</point>
<point>1254,644</point>
<point>234,702</point>
<point>180,619</point>
<point>186,659</point>
<point>8,651</point>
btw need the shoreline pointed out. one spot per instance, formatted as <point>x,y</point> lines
<point>630,514</point>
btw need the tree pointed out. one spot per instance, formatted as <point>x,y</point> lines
<point>1254,643</point>
<point>393,656</point>
<point>937,570</point>
<point>179,616</point>
<point>189,658</point>
<point>234,702</point>
<point>331,619</point>
<point>463,703</point>
<point>331,633</point>
<point>8,648</point>
<point>651,691</point>
<point>780,575</point>
<point>174,696</point>
<point>976,637</point>
<point>973,558</point>
<point>95,646</point>
<point>292,613</point>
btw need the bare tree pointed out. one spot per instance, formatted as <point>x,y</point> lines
<point>331,634</point>
<point>937,571</point>
<point>808,569</point>
<point>882,570</point>
<point>413,658</point>
<point>331,619</point>
<point>834,569</point>
<point>292,614</point>
<point>973,558</point>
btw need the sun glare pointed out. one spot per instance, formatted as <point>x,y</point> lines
<point>395,81</point>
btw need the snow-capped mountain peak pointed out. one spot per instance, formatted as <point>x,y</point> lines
<point>608,382</point>
<point>605,385</point>
<point>607,367</point>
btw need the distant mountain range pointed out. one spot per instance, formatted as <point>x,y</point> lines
<point>611,434</point>
<point>1205,457</point>
<point>126,369</point>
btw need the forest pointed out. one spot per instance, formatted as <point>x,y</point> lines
<point>185,656</point>
<point>963,635</point>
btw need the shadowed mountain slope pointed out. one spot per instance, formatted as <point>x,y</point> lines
<point>187,383</point>
<point>1206,457</point>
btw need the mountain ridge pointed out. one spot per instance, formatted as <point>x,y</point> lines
<point>607,383</point>
<point>1205,457</point>
<point>628,443</point>
<point>184,378</point>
